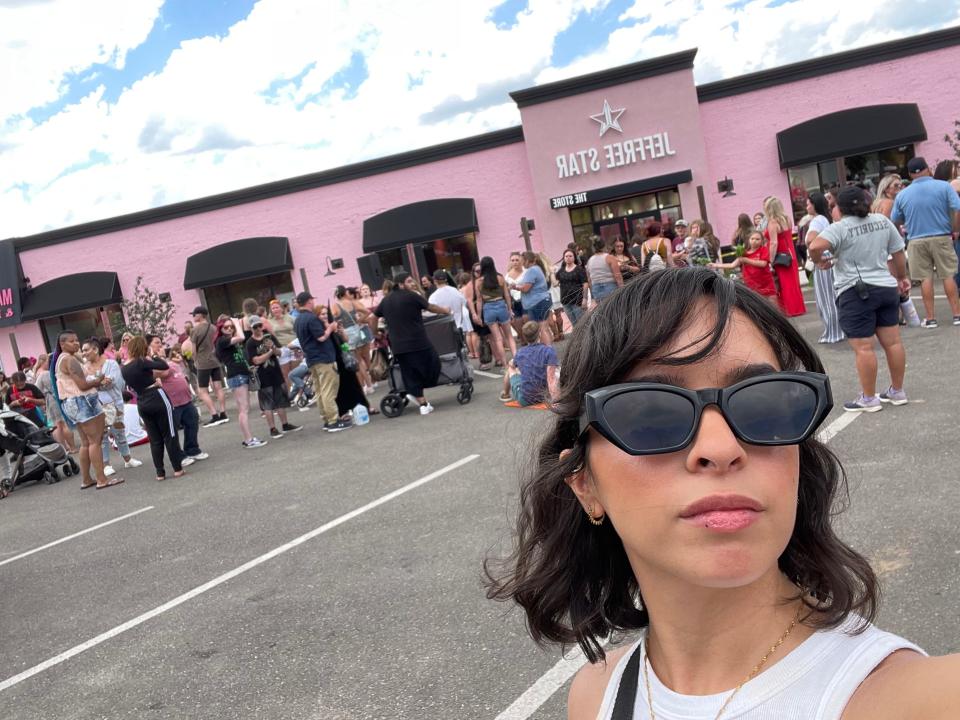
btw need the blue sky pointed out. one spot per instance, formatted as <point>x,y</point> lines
<point>155,101</point>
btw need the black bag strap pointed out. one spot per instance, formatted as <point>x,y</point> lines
<point>627,692</point>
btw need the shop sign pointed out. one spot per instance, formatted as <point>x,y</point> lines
<point>9,285</point>
<point>613,155</point>
<point>577,198</point>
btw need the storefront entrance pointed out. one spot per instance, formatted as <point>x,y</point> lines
<point>227,299</point>
<point>625,217</point>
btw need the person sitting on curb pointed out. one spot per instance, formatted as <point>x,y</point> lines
<point>532,373</point>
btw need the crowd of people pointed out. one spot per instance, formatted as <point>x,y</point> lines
<point>297,353</point>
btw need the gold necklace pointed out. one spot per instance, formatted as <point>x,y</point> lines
<point>753,673</point>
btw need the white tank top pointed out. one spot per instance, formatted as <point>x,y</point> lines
<point>814,682</point>
<point>599,271</point>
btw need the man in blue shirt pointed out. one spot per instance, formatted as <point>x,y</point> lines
<point>314,335</point>
<point>930,210</point>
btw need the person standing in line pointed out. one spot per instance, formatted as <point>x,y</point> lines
<point>930,210</point>
<point>783,258</point>
<point>174,383</point>
<point>283,331</point>
<point>823,283</point>
<point>947,170</point>
<point>573,286</point>
<point>745,226</point>
<point>450,298</point>
<point>317,342</point>
<point>512,277</point>
<point>868,297</point>
<point>603,271</point>
<point>81,406</point>
<point>494,308</point>
<point>230,352</point>
<point>887,190</point>
<point>535,295</point>
<point>111,399</point>
<point>61,432</point>
<point>419,363</point>
<point>26,398</point>
<point>655,253</point>
<point>464,286</point>
<point>155,408</point>
<point>352,318</point>
<point>201,343</point>
<point>263,355</point>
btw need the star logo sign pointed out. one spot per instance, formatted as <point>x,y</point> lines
<point>609,118</point>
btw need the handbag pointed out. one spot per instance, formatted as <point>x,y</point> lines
<point>350,363</point>
<point>378,367</point>
<point>782,259</point>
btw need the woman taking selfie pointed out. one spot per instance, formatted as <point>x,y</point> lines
<point>681,492</point>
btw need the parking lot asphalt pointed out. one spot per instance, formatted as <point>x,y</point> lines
<point>283,604</point>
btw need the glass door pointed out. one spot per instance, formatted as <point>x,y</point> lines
<point>610,230</point>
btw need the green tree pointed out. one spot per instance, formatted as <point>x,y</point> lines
<point>954,140</point>
<point>146,313</point>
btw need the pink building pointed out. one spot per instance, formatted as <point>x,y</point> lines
<point>601,154</point>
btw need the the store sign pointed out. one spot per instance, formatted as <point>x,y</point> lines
<point>577,198</point>
<point>9,285</point>
<point>613,155</point>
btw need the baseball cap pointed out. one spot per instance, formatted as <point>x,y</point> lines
<point>439,274</point>
<point>917,164</point>
<point>254,320</point>
<point>201,310</point>
<point>680,223</point>
<point>304,297</point>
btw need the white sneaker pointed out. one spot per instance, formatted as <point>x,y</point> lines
<point>132,463</point>
<point>187,462</point>
<point>426,409</point>
<point>108,470</point>
<point>254,443</point>
<point>200,456</point>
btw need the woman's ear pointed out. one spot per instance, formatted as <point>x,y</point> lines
<point>581,483</point>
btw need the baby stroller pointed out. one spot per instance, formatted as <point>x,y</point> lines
<point>34,454</point>
<point>447,339</point>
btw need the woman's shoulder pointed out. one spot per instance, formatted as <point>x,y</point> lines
<point>908,685</point>
<point>590,684</point>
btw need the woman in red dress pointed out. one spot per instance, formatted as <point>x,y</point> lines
<point>779,237</point>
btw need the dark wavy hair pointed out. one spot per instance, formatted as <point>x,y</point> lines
<point>573,579</point>
<point>488,270</point>
<point>820,204</point>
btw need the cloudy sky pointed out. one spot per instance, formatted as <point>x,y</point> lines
<point>113,106</point>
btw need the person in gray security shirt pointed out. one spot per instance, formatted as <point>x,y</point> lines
<point>868,296</point>
<point>930,210</point>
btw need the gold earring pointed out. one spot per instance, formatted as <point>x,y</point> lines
<point>593,520</point>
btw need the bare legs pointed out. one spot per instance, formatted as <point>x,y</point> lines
<point>204,394</point>
<point>497,332</point>
<point>242,396</point>
<point>949,289</point>
<point>91,436</point>
<point>866,359</point>
<point>64,435</point>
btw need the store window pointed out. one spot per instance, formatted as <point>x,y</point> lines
<point>455,255</point>
<point>94,322</point>
<point>829,175</point>
<point>625,217</point>
<point>227,299</point>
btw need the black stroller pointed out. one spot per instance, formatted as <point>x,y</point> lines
<point>34,454</point>
<point>455,369</point>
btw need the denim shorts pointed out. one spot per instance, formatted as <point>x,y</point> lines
<point>495,312</point>
<point>540,311</point>
<point>238,381</point>
<point>601,290</point>
<point>82,409</point>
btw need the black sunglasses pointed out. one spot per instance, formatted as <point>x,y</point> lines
<point>640,418</point>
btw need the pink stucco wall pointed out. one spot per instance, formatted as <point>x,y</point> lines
<point>663,103</point>
<point>740,131</point>
<point>319,222</point>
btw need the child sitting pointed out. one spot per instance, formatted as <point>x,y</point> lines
<point>532,373</point>
<point>755,264</point>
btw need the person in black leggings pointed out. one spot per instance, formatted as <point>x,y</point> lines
<point>154,406</point>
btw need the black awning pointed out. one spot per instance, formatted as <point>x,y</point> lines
<point>237,260</point>
<point>848,132</point>
<point>70,293</point>
<point>613,192</point>
<point>419,222</point>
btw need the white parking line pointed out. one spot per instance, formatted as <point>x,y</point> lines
<point>484,373</point>
<point>75,535</point>
<point>552,680</point>
<point>199,590</point>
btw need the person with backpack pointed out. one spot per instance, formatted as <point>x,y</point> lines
<point>655,253</point>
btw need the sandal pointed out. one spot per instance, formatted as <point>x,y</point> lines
<point>110,484</point>
<point>179,473</point>
<point>88,485</point>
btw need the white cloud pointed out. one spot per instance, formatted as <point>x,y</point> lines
<point>41,42</point>
<point>437,70</point>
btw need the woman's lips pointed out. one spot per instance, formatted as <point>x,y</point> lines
<point>724,521</point>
